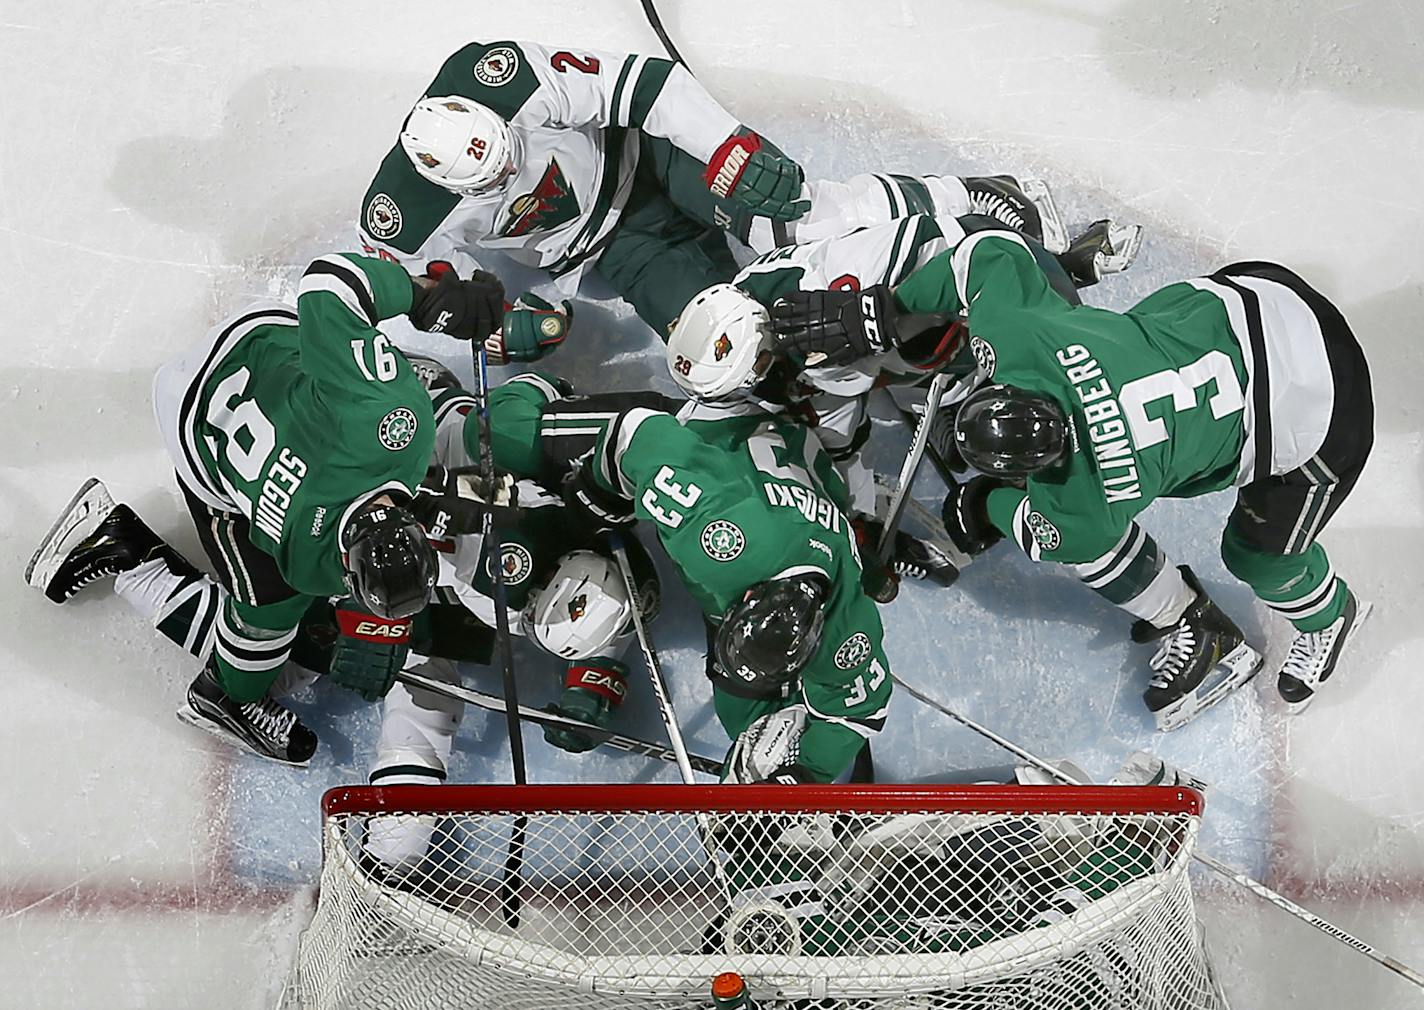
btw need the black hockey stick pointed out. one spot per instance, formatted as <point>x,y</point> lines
<point>602,737</point>
<point>493,548</point>
<point>656,23</point>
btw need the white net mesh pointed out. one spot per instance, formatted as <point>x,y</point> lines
<point>820,897</point>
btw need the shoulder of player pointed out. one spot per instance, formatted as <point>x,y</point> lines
<point>499,75</point>
<point>402,210</point>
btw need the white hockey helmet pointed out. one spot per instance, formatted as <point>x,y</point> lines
<point>460,145</point>
<point>721,344</point>
<point>582,610</point>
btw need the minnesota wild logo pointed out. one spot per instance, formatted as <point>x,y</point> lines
<point>550,204</point>
<point>722,347</point>
<point>722,540</point>
<point>397,428</point>
<point>517,563</point>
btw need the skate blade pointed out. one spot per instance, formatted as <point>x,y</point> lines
<point>1055,235</point>
<point>187,714</point>
<point>1235,670</point>
<point>89,507</point>
<point>1363,609</point>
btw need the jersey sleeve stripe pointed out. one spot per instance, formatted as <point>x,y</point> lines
<point>965,250</point>
<point>916,194</point>
<point>615,443</point>
<point>1023,533</point>
<point>647,88</point>
<point>1106,568</point>
<point>339,277</point>
<point>892,196</point>
<point>900,254</point>
<point>550,391</point>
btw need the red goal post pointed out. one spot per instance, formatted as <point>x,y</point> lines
<point>855,897</point>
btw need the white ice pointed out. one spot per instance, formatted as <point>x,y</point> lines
<point>163,163</point>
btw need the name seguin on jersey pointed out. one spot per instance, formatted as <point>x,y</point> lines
<point>815,508</point>
<point>1107,430</point>
<point>284,476</point>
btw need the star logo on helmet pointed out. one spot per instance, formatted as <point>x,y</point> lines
<point>722,347</point>
<point>853,651</point>
<point>577,606</point>
<point>723,540</point>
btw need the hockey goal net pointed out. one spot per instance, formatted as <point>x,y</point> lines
<point>821,897</point>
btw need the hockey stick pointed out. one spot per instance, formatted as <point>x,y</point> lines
<point>603,737</point>
<point>1235,876</point>
<point>656,23</point>
<point>493,546</point>
<point>911,466</point>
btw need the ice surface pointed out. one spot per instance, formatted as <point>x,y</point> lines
<point>165,163</point>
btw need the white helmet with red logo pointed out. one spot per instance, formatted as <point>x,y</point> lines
<point>460,145</point>
<point>582,610</point>
<point>721,344</point>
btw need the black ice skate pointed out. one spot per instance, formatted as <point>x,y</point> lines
<point>1105,248</point>
<point>914,558</point>
<point>433,375</point>
<point>1313,654</point>
<point>1200,660</point>
<point>94,538</point>
<point>1028,208</point>
<point>263,727</point>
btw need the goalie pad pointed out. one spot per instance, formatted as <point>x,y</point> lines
<point>768,747</point>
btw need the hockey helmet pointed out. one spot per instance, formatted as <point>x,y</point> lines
<point>584,609</point>
<point>460,145</point>
<point>721,345</point>
<point>390,566</point>
<point>1010,432</point>
<point>769,636</point>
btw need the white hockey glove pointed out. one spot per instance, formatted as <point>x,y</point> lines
<point>766,751</point>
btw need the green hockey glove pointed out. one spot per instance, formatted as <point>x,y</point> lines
<point>753,172</point>
<point>532,329</point>
<point>370,651</point>
<point>593,690</point>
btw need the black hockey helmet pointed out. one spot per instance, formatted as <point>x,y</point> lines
<point>1005,431</point>
<point>390,566</point>
<point>768,636</point>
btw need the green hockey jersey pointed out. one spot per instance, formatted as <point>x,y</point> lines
<point>575,114</point>
<point>746,499</point>
<point>1167,399</point>
<point>295,419</point>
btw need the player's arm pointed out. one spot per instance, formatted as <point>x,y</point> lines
<point>844,707</point>
<point>989,277</point>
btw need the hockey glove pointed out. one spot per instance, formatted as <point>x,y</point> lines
<point>754,173</point>
<point>370,651</point>
<point>452,503</point>
<point>601,509</point>
<point>836,327</point>
<point>592,691</point>
<point>466,310</point>
<point>532,329</point>
<point>966,515</point>
<point>877,578</point>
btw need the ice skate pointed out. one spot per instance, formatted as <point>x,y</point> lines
<point>1313,654</point>
<point>922,560</point>
<point>263,726</point>
<point>1105,248</point>
<point>1199,661</point>
<point>1001,198</point>
<point>93,538</point>
<point>1055,235</point>
<point>1142,768</point>
<point>433,375</point>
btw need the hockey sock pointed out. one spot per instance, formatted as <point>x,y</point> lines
<point>1302,588</point>
<point>252,644</point>
<point>1135,576</point>
<point>180,602</point>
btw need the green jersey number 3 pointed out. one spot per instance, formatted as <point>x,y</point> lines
<point>1181,384</point>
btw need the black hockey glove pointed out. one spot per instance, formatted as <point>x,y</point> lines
<point>840,326</point>
<point>452,503</point>
<point>602,509</point>
<point>370,651</point>
<point>966,515</point>
<point>466,310</point>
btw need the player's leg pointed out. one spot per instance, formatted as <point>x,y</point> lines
<point>254,633</point>
<point>417,735</point>
<point>1201,655</point>
<point>1270,539</point>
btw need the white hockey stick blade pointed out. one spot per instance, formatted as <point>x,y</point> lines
<point>89,507</point>
<point>1232,672</point>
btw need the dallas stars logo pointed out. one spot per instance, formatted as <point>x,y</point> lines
<point>722,540</point>
<point>397,428</point>
<point>853,651</point>
<point>550,204</point>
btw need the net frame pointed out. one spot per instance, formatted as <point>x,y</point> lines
<point>681,979</point>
